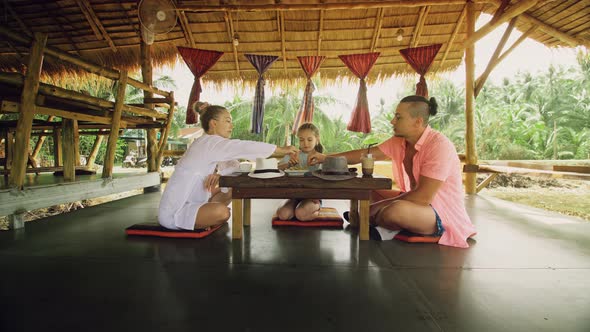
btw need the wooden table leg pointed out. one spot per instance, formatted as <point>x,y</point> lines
<point>353,214</point>
<point>236,228</point>
<point>364,219</point>
<point>247,211</point>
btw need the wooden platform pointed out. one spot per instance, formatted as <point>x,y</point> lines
<point>526,270</point>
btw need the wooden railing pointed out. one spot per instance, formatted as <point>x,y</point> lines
<point>33,97</point>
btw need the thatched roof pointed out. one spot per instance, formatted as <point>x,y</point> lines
<point>108,32</point>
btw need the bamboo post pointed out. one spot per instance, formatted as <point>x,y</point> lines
<point>94,152</point>
<point>41,140</point>
<point>8,149</point>
<point>147,76</point>
<point>480,81</point>
<point>57,153</point>
<point>38,145</point>
<point>470,153</point>
<point>27,110</point>
<point>76,142</point>
<point>515,10</point>
<point>164,136</point>
<point>69,153</point>
<point>109,158</point>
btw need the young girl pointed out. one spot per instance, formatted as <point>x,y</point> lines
<point>309,143</point>
<point>186,202</point>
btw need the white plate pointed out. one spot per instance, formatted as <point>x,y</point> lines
<point>296,172</point>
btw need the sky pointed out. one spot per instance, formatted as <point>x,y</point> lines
<point>529,56</point>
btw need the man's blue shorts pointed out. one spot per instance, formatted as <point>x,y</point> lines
<point>439,227</point>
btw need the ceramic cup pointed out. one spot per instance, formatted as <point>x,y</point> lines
<point>245,167</point>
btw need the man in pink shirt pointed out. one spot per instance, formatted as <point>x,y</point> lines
<point>427,170</point>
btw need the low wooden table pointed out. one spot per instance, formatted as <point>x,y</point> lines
<point>357,190</point>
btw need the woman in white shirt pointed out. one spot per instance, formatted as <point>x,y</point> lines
<point>186,202</point>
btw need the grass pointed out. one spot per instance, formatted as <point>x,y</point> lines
<point>571,201</point>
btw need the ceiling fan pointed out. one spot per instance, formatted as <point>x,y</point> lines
<point>156,17</point>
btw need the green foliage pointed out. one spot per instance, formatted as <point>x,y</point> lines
<point>545,116</point>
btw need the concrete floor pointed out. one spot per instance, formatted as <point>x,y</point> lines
<point>526,270</point>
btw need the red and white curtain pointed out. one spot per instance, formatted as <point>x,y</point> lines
<point>199,62</point>
<point>420,58</point>
<point>360,65</point>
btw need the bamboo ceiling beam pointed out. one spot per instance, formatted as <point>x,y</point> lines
<point>129,21</point>
<point>84,64</point>
<point>377,30</point>
<point>282,32</point>
<point>321,29</point>
<point>60,22</point>
<point>95,23</point>
<point>197,6</point>
<point>508,14</point>
<point>230,24</point>
<point>20,23</point>
<point>500,10</point>
<point>419,26</point>
<point>564,37</point>
<point>480,81</point>
<point>517,42</point>
<point>186,29</point>
<point>453,36</point>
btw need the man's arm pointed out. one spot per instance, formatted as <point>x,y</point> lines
<point>424,192</point>
<point>353,156</point>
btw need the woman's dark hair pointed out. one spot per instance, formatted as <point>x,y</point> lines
<point>432,105</point>
<point>316,132</point>
<point>207,113</point>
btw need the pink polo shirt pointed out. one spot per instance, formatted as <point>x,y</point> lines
<point>435,158</point>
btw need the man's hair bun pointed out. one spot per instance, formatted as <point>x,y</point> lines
<point>432,106</point>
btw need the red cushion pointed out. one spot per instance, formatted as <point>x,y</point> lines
<point>407,236</point>
<point>329,217</point>
<point>155,229</point>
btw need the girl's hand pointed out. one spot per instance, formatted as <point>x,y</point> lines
<point>211,182</point>
<point>293,159</point>
<point>315,158</point>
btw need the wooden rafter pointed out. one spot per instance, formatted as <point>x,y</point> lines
<point>377,30</point>
<point>14,15</point>
<point>520,39</point>
<point>479,82</point>
<point>129,21</point>
<point>186,29</point>
<point>230,24</point>
<point>500,10</point>
<point>419,26</point>
<point>453,36</point>
<point>321,29</point>
<point>282,31</point>
<point>197,6</point>
<point>508,14</point>
<point>572,41</point>
<point>95,24</point>
<point>59,18</point>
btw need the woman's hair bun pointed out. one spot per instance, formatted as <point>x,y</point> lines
<point>432,106</point>
<point>200,107</point>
